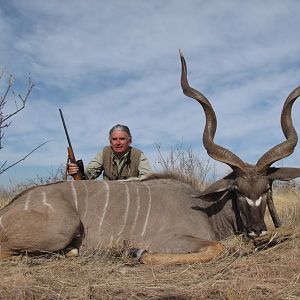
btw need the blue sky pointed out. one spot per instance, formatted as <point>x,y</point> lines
<point>109,62</point>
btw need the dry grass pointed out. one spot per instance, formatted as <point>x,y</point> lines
<point>269,269</point>
<point>288,205</point>
<point>188,166</point>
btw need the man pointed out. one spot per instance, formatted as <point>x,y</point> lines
<point>117,161</point>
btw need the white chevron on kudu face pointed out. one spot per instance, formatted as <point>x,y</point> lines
<point>254,202</point>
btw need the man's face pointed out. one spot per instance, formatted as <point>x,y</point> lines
<point>120,142</point>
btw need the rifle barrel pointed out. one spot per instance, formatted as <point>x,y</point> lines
<point>65,127</point>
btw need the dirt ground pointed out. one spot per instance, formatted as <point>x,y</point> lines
<point>267,269</point>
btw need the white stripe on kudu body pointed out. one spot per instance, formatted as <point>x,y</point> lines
<point>107,195</point>
<point>27,200</point>
<point>46,203</point>
<point>74,193</point>
<point>138,206</point>
<point>127,196</point>
<point>149,209</point>
<point>86,200</point>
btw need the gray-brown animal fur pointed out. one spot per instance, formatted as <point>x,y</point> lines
<point>159,215</point>
<point>162,216</point>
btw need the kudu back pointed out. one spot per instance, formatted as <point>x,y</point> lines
<point>164,220</point>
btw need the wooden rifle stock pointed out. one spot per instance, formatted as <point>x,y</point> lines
<point>72,159</point>
<point>80,174</point>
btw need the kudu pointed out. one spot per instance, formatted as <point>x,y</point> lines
<point>159,215</point>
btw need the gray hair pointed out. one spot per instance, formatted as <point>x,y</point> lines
<point>119,127</point>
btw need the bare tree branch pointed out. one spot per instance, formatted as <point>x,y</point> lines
<point>18,108</point>
<point>3,164</point>
<point>2,169</point>
<point>6,117</point>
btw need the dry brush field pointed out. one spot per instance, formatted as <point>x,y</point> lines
<point>266,269</point>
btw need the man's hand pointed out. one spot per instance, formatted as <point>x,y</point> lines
<point>72,169</point>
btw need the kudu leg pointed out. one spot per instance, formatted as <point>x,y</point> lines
<point>204,254</point>
<point>34,231</point>
<point>74,252</point>
<point>272,209</point>
<point>72,249</point>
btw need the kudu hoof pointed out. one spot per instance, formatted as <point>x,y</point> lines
<point>72,253</point>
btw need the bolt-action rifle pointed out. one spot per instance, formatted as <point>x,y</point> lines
<point>71,156</point>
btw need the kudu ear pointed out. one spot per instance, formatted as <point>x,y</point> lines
<point>283,173</point>
<point>211,193</point>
